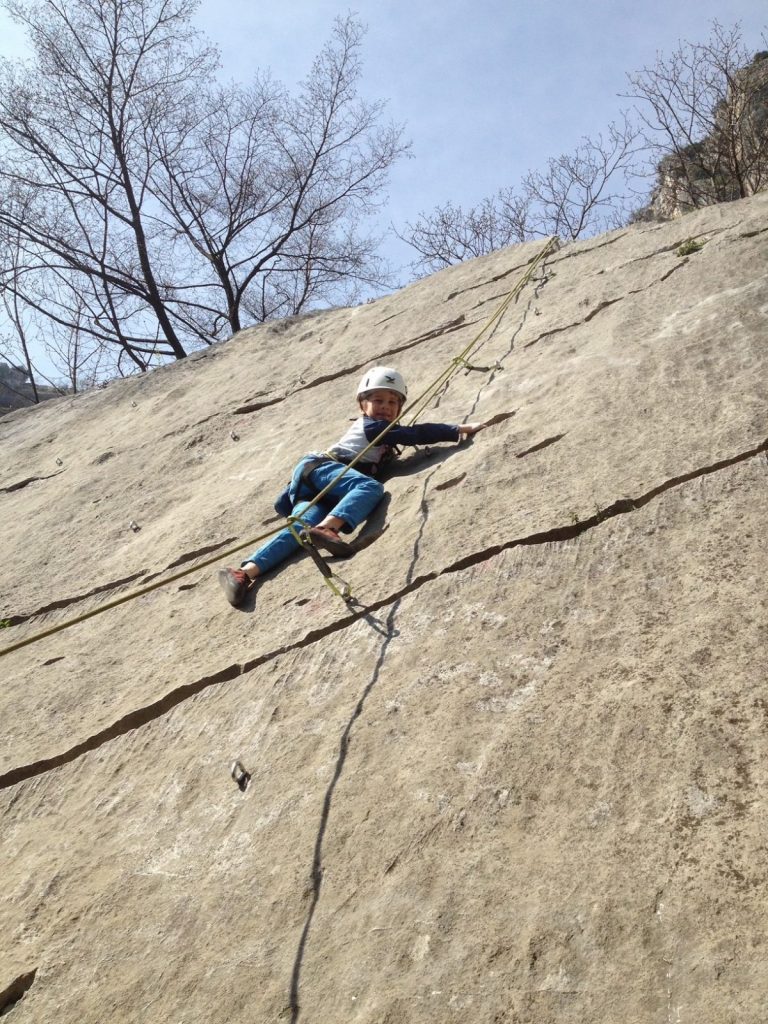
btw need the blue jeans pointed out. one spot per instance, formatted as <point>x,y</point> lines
<point>352,499</point>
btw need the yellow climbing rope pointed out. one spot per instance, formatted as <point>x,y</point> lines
<point>419,404</point>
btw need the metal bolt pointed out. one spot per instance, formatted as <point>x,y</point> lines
<point>240,775</point>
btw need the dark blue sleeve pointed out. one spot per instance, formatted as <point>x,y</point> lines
<point>421,433</point>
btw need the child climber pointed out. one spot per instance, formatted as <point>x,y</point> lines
<point>380,395</point>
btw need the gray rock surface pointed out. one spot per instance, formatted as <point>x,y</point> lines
<point>520,781</point>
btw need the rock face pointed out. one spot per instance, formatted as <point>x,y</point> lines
<point>520,780</point>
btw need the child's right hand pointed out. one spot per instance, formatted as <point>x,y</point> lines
<point>467,429</point>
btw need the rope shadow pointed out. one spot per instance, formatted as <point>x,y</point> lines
<point>389,632</point>
<point>427,458</point>
<point>539,283</point>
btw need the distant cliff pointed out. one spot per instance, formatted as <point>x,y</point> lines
<point>729,163</point>
<point>17,392</point>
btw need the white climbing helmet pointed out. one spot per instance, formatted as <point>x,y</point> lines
<point>382,377</point>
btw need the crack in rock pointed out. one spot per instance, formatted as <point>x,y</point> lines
<point>605,303</point>
<point>600,307</point>
<point>490,280</point>
<point>559,534</point>
<point>66,602</point>
<point>492,300</point>
<point>552,333</point>
<point>670,248</point>
<point>30,480</point>
<point>190,556</point>
<point>538,447</point>
<point>500,417</point>
<point>447,328</point>
<point>188,428</point>
<point>677,266</point>
<point>453,482</point>
<point>392,316</point>
<point>565,254</point>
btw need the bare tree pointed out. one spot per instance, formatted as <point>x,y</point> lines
<point>74,159</point>
<point>704,116</point>
<point>271,189</point>
<point>584,192</point>
<point>154,212</point>
<point>450,234</point>
<point>577,194</point>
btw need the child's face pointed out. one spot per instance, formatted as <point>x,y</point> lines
<point>381,404</point>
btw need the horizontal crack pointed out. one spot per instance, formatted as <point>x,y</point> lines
<point>512,270</point>
<point>65,602</point>
<point>447,328</point>
<point>392,316</point>
<point>550,334</point>
<point>500,417</point>
<point>565,253</point>
<point>600,307</point>
<point>677,266</point>
<point>670,248</point>
<point>538,447</point>
<point>190,556</point>
<point>128,723</point>
<point>157,709</point>
<point>605,303</point>
<point>451,483</point>
<point>590,316</point>
<point>30,480</point>
<point>620,507</point>
<point>490,280</point>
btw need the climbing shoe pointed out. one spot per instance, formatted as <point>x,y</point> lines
<point>325,537</point>
<point>235,583</point>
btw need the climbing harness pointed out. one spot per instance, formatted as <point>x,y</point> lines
<point>344,591</point>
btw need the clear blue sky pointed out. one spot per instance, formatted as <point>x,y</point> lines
<point>487,89</point>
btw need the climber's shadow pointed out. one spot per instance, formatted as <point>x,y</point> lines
<point>420,460</point>
<point>423,458</point>
<point>377,519</point>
